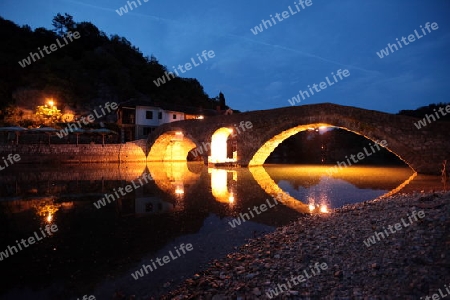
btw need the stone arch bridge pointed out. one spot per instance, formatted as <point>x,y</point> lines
<point>258,133</point>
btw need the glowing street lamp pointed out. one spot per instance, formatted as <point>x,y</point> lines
<point>50,102</point>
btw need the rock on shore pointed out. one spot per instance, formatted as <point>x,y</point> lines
<point>410,263</point>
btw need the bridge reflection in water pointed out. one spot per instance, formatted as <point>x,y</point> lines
<point>223,187</point>
<point>299,188</point>
<point>184,201</point>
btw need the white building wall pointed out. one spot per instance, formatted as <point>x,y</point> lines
<point>167,116</point>
<point>141,119</point>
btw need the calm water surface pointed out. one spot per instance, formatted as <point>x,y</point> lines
<point>95,250</point>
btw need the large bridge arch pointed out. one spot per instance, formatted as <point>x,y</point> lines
<point>270,145</point>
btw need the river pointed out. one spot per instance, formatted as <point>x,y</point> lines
<point>96,250</point>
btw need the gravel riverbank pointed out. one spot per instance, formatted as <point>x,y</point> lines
<point>391,248</point>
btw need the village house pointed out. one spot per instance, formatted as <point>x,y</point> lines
<point>138,118</point>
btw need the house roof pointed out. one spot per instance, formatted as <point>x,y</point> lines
<point>170,106</point>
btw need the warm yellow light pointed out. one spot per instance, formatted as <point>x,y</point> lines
<point>323,209</point>
<point>311,207</point>
<point>170,147</point>
<point>219,145</point>
<point>219,186</point>
<point>50,102</point>
<point>178,133</point>
<point>231,198</point>
<point>46,210</point>
<point>201,117</point>
<point>179,191</point>
<point>264,151</point>
<point>230,129</point>
<point>271,188</point>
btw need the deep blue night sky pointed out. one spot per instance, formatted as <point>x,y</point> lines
<point>264,70</point>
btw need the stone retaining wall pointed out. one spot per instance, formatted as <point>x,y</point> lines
<point>83,153</point>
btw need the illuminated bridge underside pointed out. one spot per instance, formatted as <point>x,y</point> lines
<point>170,147</point>
<point>423,150</point>
<point>263,153</point>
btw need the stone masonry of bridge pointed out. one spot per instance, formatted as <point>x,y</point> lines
<point>423,149</point>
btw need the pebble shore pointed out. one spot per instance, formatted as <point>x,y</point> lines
<point>411,263</point>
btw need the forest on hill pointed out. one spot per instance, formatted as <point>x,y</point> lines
<point>84,72</point>
<point>431,109</point>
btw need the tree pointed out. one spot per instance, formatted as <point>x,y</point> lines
<point>61,22</point>
<point>94,69</point>
<point>222,101</point>
<point>48,115</point>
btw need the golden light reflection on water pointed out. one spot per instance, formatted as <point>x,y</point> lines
<point>309,176</point>
<point>271,188</point>
<point>172,177</point>
<point>46,210</point>
<point>222,188</point>
<point>400,187</point>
